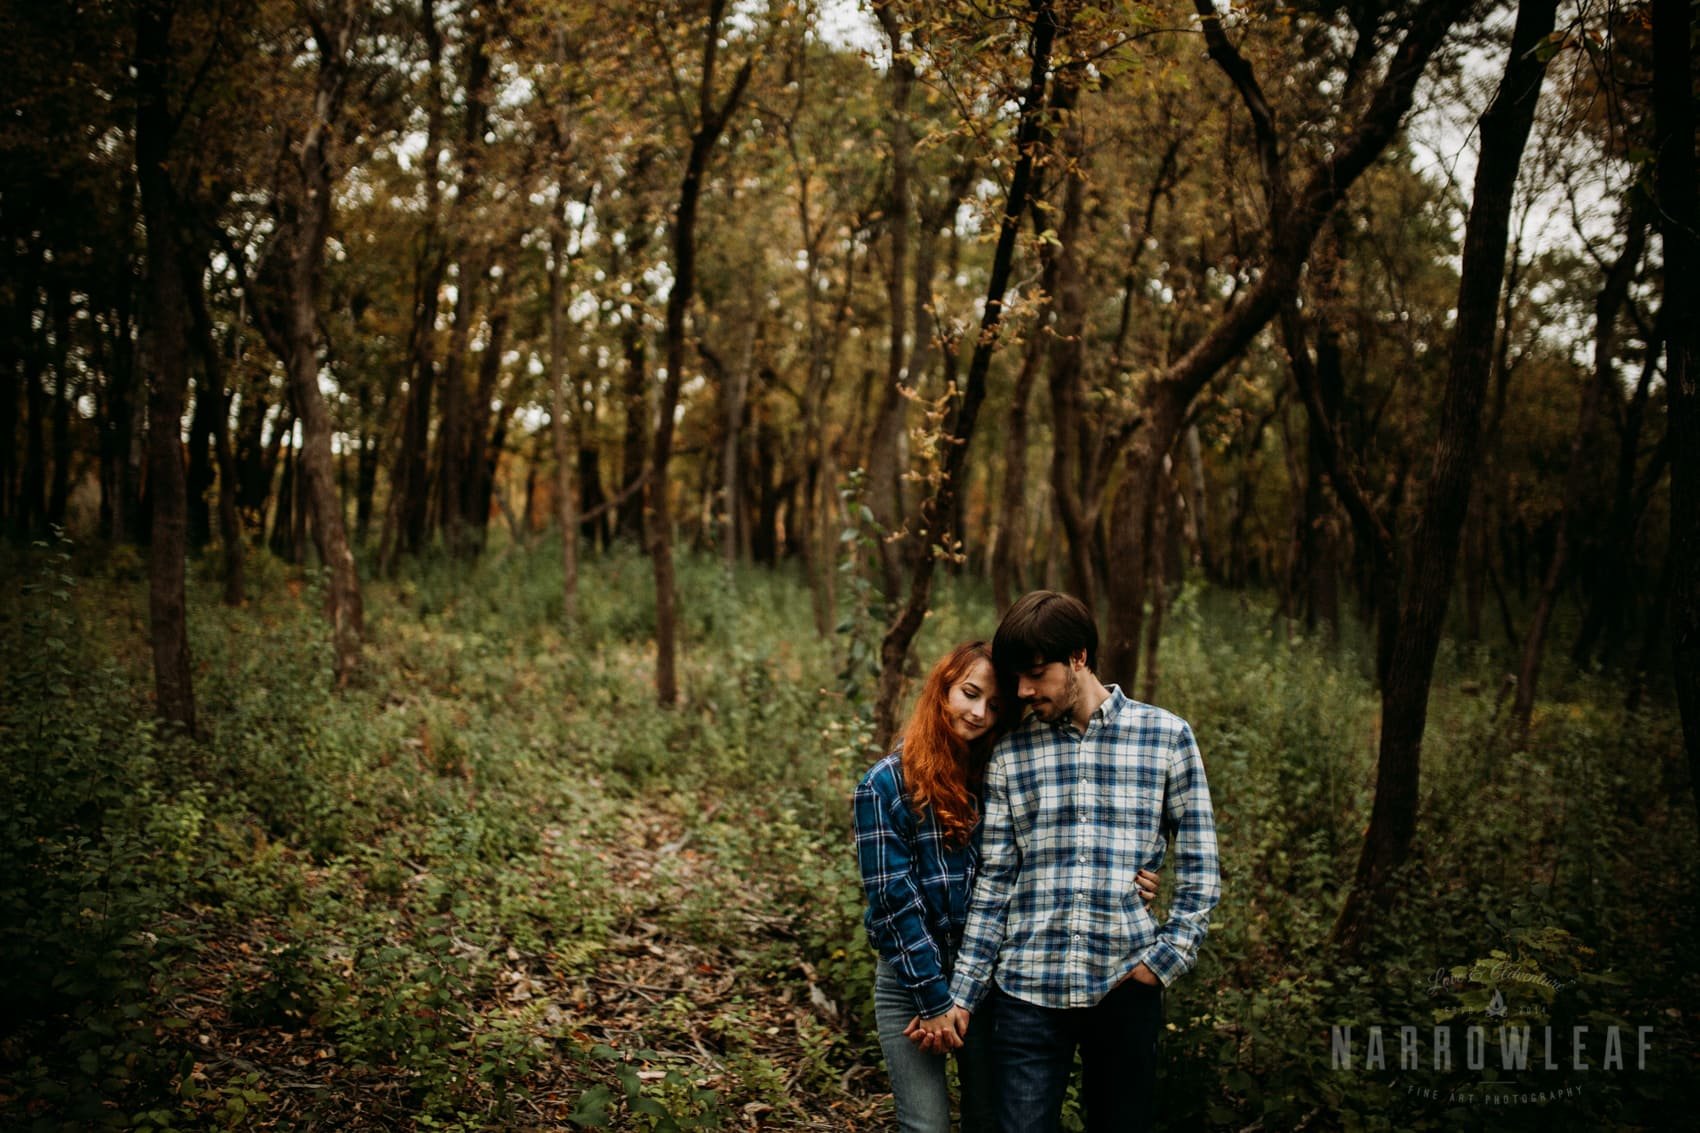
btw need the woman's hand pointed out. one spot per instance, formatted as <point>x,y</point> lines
<point>1146,882</point>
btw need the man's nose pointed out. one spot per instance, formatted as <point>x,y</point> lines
<point>1023,688</point>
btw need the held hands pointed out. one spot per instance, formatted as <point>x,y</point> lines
<point>939,1034</point>
<point>945,1032</point>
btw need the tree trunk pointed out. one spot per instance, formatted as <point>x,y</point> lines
<point>13,335</point>
<point>1154,566</point>
<point>32,504</point>
<point>282,543</point>
<point>343,602</point>
<point>200,474</point>
<point>1010,547</point>
<point>734,521</point>
<point>633,458</point>
<point>1612,584</point>
<point>412,481</point>
<point>212,388</point>
<point>167,308</point>
<point>484,441</point>
<point>1504,130</point>
<point>934,524</point>
<point>229,521</point>
<point>1608,305</point>
<point>64,390</point>
<point>597,527</point>
<point>566,445</point>
<point>885,446</point>
<point>1071,455</point>
<point>711,121</point>
<point>452,435</point>
<point>1679,216</point>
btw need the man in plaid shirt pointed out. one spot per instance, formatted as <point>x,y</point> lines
<point>1078,798</point>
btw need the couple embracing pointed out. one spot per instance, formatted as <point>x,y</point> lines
<point>1008,864</point>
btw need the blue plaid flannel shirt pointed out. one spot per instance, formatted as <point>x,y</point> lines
<point>1070,818</point>
<point>917,886</point>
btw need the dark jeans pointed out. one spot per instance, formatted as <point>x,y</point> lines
<point>1033,1052</point>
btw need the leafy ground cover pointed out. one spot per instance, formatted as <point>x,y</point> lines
<point>493,887</point>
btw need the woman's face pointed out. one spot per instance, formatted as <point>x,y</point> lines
<point>972,706</point>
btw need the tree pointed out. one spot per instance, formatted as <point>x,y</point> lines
<point>167,352</point>
<point>1677,189</point>
<point>1293,216</point>
<point>712,115</point>
<point>935,530</point>
<point>1504,130</point>
<point>291,325</point>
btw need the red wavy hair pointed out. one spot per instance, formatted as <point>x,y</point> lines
<point>941,771</point>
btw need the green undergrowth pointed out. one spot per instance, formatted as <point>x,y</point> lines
<point>491,884</point>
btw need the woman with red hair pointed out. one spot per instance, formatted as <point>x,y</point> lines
<point>917,812</point>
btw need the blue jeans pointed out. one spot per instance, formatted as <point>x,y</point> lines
<point>1033,1056</point>
<point>918,1087</point>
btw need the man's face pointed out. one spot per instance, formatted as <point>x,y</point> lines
<point>1049,688</point>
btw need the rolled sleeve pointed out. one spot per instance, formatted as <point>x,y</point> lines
<point>1190,819</point>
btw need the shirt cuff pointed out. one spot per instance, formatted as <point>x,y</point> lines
<point>967,992</point>
<point>1165,962</point>
<point>932,999</point>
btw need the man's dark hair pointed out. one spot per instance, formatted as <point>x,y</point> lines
<point>1042,627</point>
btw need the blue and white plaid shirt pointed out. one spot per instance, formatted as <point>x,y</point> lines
<point>917,886</point>
<point>1070,818</point>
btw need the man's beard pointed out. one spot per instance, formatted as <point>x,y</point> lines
<point>1062,707</point>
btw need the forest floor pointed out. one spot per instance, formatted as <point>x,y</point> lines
<point>492,886</point>
<point>655,1010</point>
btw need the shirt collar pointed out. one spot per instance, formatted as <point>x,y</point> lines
<point>1103,714</point>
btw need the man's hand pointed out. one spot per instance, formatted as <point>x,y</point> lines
<point>1144,975</point>
<point>939,1034</point>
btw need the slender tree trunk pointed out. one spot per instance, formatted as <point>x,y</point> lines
<point>566,445</point>
<point>1154,566</point>
<point>13,335</point>
<point>1504,132</point>
<point>411,484</point>
<point>633,451</point>
<point>283,509</point>
<point>200,474</point>
<point>32,505</point>
<point>343,602</point>
<point>1071,463</point>
<point>885,446</point>
<point>167,367</point>
<point>452,437</point>
<point>1608,305</point>
<point>213,388</point>
<point>229,520</point>
<point>1006,555</point>
<point>64,389</point>
<point>484,443</point>
<point>1679,216</point>
<point>734,521</point>
<point>711,121</point>
<point>1605,608</point>
<point>935,516</point>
